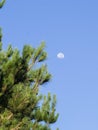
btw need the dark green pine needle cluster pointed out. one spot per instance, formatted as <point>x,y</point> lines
<point>21,105</point>
<point>2,3</point>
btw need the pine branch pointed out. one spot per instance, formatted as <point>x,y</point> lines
<point>2,3</point>
<point>20,90</point>
<point>17,127</point>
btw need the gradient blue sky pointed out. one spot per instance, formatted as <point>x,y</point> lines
<point>71,27</point>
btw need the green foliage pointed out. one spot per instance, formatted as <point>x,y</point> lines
<point>21,105</point>
<point>2,3</point>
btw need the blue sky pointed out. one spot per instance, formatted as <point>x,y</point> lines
<point>70,27</point>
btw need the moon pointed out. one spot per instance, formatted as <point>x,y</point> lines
<point>60,55</point>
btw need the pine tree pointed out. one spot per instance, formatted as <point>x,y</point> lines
<point>21,105</point>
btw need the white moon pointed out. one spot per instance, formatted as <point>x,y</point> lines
<point>60,55</point>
